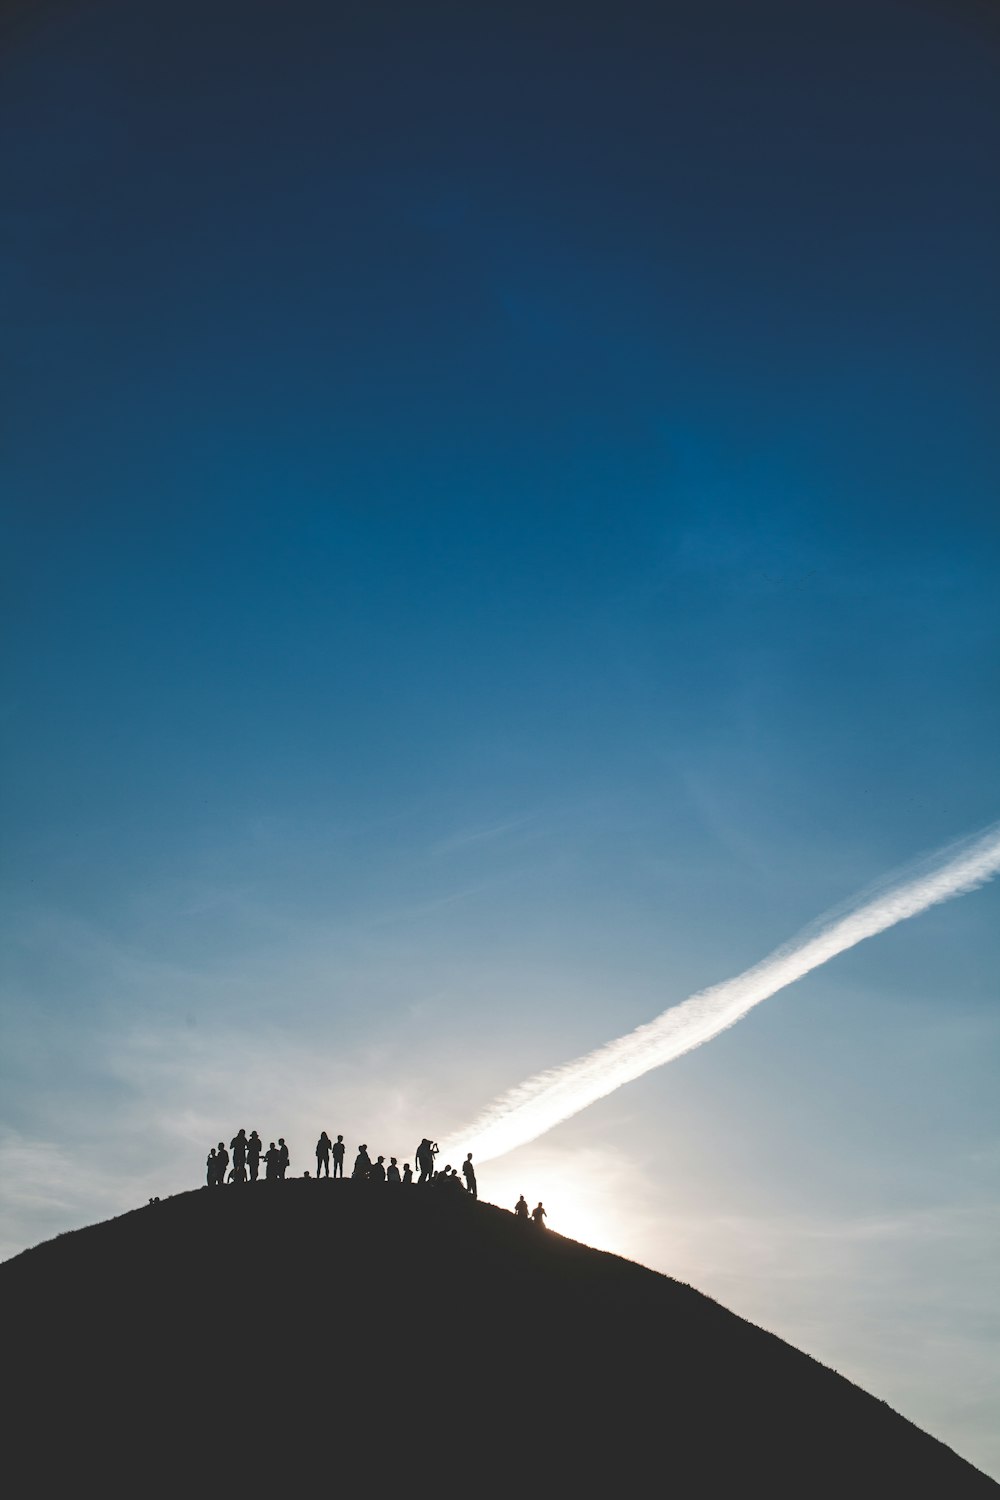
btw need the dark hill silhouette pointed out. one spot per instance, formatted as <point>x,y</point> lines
<point>289,1339</point>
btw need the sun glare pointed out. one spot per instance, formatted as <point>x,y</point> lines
<point>578,1202</point>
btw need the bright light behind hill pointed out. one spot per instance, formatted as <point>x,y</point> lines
<point>583,1193</point>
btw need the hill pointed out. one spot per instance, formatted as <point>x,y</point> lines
<point>286,1337</point>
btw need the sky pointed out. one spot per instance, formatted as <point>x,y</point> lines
<point>501,532</point>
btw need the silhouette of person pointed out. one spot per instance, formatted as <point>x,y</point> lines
<point>238,1172</point>
<point>323,1154</point>
<point>377,1172</point>
<point>239,1148</point>
<point>221,1163</point>
<point>210,1169</point>
<point>469,1173</point>
<point>255,1147</point>
<point>407,1175</point>
<point>426,1153</point>
<point>362,1164</point>
<point>338,1156</point>
<point>538,1214</point>
<point>392,1171</point>
<point>521,1208</point>
<point>272,1163</point>
<point>282,1157</point>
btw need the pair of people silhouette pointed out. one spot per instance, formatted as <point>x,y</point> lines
<point>537,1215</point>
<point>325,1149</point>
<point>276,1159</point>
<point>247,1151</point>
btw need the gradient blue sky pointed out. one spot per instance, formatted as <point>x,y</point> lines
<point>501,529</point>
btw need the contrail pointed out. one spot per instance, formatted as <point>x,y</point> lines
<point>535,1106</point>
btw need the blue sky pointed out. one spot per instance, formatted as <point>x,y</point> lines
<point>501,530</point>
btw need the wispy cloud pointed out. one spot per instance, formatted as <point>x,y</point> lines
<point>481,833</point>
<point>549,1098</point>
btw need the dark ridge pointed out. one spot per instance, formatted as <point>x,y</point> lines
<point>289,1337</point>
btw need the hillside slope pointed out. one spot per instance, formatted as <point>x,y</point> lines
<point>284,1337</point>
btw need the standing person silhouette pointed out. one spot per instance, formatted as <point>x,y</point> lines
<point>323,1154</point>
<point>255,1148</point>
<point>210,1169</point>
<point>521,1209</point>
<point>362,1164</point>
<point>282,1157</point>
<point>239,1149</point>
<point>426,1153</point>
<point>221,1163</point>
<point>538,1214</point>
<point>377,1172</point>
<point>338,1156</point>
<point>407,1174</point>
<point>272,1163</point>
<point>469,1173</point>
<point>392,1171</point>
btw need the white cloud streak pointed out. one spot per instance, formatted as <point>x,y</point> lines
<point>526,1112</point>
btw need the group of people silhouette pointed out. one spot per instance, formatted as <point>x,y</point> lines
<point>248,1153</point>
